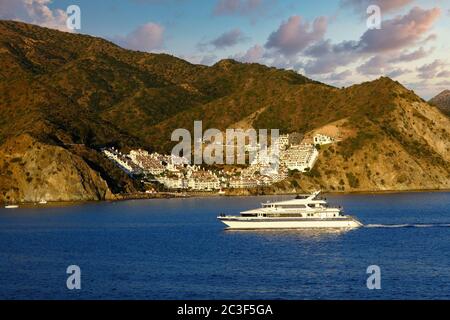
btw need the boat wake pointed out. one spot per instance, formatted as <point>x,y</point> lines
<point>415,225</point>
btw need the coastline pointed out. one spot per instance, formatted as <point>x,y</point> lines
<point>193,195</point>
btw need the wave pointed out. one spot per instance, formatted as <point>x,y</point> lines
<point>406,225</point>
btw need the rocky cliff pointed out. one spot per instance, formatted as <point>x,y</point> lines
<point>33,171</point>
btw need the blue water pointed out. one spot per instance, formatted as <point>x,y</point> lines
<point>176,249</point>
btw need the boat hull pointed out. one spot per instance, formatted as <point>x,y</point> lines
<point>258,224</point>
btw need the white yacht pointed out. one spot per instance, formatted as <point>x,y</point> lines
<point>305,211</point>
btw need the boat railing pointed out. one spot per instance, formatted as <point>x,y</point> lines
<point>335,207</point>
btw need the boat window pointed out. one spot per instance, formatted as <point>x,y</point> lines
<point>291,206</point>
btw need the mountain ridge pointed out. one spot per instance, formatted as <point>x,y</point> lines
<point>442,101</point>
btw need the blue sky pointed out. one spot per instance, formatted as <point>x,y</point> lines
<point>327,40</point>
<point>189,22</point>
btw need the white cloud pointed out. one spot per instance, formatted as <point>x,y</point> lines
<point>225,40</point>
<point>254,54</point>
<point>34,11</point>
<point>147,37</point>
<point>433,70</point>
<point>360,6</point>
<point>295,35</point>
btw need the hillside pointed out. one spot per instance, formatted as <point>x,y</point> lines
<point>70,94</point>
<point>442,101</point>
<point>32,171</point>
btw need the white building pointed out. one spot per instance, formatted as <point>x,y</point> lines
<point>266,156</point>
<point>283,141</point>
<point>203,181</point>
<point>173,182</point>
<point>203,185</point>
<point>243,183</point>
<point>177,160</point>
<point>122,161</point>
<point>150,163</point>
<point>252,148</point>
<point>300,157</point>
<point>321,139</point>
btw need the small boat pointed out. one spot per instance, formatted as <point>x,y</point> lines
<point>43,202</point>
<point>222,192</point>
<point>305,211</point>
<point>11,206</point>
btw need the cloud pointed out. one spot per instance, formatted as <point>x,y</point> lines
<point>432,70</point>
<point>209,60</point>
<point>241,7</point>
<point>443,74</point>
<point>427,89</point>
<point>399,32</point>
<point>295,35</point>
<point>339,76</point>
<point>147,37</point>
<point>444,83</point>
<point>326,64</point>
<point>382,64</point>
<point>35,12</point>
<point>326,57</point>
<point>227,39</point>
<point>360,6</point>
<point>431,37</point>
<point>254,54</point>
<point>397,72</point>
<point>374,66</point>
<point>411,56</point>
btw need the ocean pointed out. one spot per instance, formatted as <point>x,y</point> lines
<point>177,249</point>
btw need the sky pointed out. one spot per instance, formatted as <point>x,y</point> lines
<point>326,40</point>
